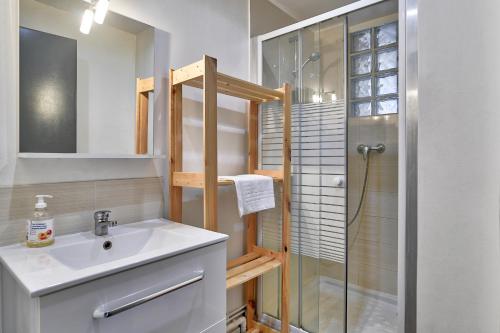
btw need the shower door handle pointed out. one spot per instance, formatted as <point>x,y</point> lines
<point>338,181</point>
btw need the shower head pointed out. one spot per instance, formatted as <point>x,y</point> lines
<point>312,58</point>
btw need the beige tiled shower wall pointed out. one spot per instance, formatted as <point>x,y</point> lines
<point>373,237</point>
<point>373,247</point>
<point>74,203</point>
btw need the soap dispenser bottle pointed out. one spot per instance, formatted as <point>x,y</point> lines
<point>40,228</point>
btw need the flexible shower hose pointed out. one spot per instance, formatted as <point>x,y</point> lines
<point>363,191</point>
<point>360,204</point>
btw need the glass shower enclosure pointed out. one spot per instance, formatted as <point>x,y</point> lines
<point>344,75</point>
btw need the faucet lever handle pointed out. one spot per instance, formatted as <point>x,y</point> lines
<point>102,215</point>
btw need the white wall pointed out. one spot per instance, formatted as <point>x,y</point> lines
<point>458,167</point>
<point>144,51</point>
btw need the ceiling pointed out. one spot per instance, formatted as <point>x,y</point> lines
<point>303,9</point>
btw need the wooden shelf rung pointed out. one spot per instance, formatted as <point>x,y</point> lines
<point>237,84</point>
<point>276,174</point>
<point>145,85</point>
<point>227,181</point>
<point>224,181</point>
<point>231,91</point>
<point>188,179</point>
<point>247,266</point>
<point>197,180</point>
<point>250,270</point>
<point>267,252</point>
<point>243,259</point>
<point>227,85</point>
<point>190,72</point>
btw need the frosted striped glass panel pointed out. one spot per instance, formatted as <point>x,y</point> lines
<point>318,206</point>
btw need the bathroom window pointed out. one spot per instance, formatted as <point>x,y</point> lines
<point>374,71</point>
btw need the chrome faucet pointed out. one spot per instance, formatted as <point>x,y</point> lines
<point>102,222</point>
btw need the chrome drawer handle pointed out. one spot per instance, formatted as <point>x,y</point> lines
<point>128,302</point>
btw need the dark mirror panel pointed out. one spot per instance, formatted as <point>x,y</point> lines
<point>47,92</point>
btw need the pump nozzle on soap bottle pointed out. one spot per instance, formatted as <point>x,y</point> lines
<point>40,228</point>
<point>41,200</point>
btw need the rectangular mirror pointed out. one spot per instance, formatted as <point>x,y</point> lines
<point>84,93</point>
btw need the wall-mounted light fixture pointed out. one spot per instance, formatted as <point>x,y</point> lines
<point>87,19</point>
<point>96,12</point>
<point>101,8</point>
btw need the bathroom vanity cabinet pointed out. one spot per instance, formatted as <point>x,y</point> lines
<point>181,294</point>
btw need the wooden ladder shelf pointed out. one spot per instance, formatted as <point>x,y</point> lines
<point>257,261</point>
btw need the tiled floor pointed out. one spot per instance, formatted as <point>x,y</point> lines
<point>367,313</point>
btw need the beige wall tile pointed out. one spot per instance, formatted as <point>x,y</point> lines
<point>125,192</point>
<point>74,203</point>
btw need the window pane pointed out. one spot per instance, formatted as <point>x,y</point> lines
<point>362,64</point>
<point>362,87</point>
<point>387,106</point>
<point>386,34</point>
<point>387,85</point>
<point>362,109</point>
<point>387,59</point>
<point>361,40</point>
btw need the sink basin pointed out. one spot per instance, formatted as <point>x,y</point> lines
<point>80,257</point>
<point>120,243</point>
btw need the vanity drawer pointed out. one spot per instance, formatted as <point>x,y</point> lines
<point>183,294</point>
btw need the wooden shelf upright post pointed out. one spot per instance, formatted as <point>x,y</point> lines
<point>210,142</point>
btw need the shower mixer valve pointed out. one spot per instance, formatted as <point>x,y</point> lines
<point>365,149</point>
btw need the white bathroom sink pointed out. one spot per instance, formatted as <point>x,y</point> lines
<point>80,257</point>
<point>122,242</point>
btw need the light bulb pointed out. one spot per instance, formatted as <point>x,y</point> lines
<point>317,98</point>
<point>88,17</point>
<point>101,8</point>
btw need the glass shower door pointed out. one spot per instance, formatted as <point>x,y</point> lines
<point>279,63</point>
<point>332,172</point>
<point>312,60</point>
<point>282,62</point>
<point>373,180</point>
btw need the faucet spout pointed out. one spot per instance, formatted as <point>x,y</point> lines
<point>102,222</point>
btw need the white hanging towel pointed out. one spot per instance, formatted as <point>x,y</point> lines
<point>254,192</point>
